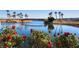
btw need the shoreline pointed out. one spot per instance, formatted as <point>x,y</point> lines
<point>14,21</point>
<point>58,22</point>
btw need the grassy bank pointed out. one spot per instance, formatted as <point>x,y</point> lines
<point>15,21</point>
<point>63,22</point>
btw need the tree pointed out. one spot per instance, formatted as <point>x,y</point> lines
<point>8,13</point>
<point>56,19</point>
<point>59,14</point>
<point>20,15</point>
<point>14,14</point>
<point>50,23</point>
<point>26,15</point>
<point>60,29</point>
<point>50,14</point>
<point>56,15</point>
<point>62,15</point>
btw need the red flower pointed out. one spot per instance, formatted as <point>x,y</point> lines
<point>9,37</point>
<point>66,33</point>
<point>13,27</point>
<point>24,37</point>
<point>15,33</point>
<point>49,44</point>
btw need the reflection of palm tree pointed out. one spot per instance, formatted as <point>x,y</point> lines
<point>56,15</point>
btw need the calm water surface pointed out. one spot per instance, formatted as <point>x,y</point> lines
<point>24,29</point>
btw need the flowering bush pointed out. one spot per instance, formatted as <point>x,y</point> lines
<point>9,38</point>
<point>66,40</point>
<point>43,40</point>
<point>40,39</point>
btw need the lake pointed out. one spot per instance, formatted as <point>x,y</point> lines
<point>24,29</point>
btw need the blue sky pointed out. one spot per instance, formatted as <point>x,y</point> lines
<point>42,13</point>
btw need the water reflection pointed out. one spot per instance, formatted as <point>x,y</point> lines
<point>24,29</point>
<point>50,26</point>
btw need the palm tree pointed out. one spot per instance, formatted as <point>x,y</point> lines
<point>50,14</point>
<point>50,24</point>
<point>8,13</point>
<point>14,14</point>
<point>56,19</point>
<point>62,15</point>
<point>20,15</point>
<point>26,15</point>
<point>59,14</point>
<point>61,29</point>
<point>56,15</point>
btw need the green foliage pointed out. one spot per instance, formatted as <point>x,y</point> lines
<point>39,39</point>
<point>10,39</point>
<point>66,41</point>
